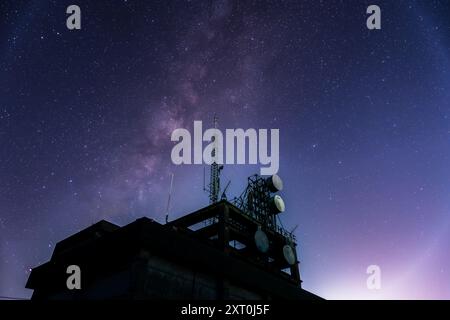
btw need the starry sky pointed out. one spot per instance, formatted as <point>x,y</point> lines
<point>364,118</point>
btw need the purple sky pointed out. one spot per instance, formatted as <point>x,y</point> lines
<point>86,118</point>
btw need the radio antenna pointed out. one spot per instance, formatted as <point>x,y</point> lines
<point>214,184</point>
<point>213,187</point>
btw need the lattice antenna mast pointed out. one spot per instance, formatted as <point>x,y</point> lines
<point>260,203</point>
<point>214,179</point>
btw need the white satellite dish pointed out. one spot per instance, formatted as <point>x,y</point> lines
<point>278,204</point>
<point>261,240</point>
<point>275,183</point>
<point>289,254</point>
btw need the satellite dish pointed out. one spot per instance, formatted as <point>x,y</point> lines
<point>261,240</point>
<point>274,183</point>
<point>277,204</point>
<point>289,254</point>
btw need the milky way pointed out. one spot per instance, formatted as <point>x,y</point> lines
<point>86,118</point>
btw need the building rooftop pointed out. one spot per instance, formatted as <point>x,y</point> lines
<point>148,260</point>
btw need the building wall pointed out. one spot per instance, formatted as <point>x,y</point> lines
<point>164,279</point>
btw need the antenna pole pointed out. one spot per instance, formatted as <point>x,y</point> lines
<point>214,184</point>
<point>169,198</point>
<point>224,195</point>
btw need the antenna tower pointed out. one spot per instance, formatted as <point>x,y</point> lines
<point>214,179</point>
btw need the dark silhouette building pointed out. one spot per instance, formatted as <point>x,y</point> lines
<point>209,254</point>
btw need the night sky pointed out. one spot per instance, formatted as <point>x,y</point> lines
<point>364,118</point>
